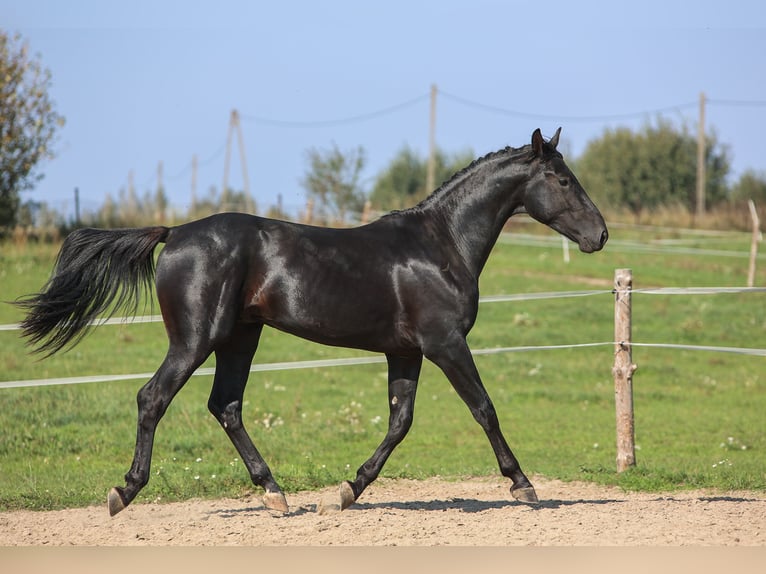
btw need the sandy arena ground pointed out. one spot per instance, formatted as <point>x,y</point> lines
<point>473,512</point>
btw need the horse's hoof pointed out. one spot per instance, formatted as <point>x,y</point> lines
<point>525,494</point>
<point>275,501</point>
<point>330,505</point>
<point>347,497</point>
<point>115,501</point>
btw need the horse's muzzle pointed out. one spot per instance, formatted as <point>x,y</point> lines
<point>588,245</point>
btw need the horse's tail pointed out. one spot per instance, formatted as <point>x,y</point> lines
<point>97,272</point>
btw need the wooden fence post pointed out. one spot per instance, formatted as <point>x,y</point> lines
<point>623,369</point>
<point>756,236</point>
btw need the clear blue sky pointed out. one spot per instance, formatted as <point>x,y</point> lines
<point>146,81</point>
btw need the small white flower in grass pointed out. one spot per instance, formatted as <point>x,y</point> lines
<point>198,460</point>
<point>196,477</point>
<point>535,370</point>
<point>733,444</point>
<point>212,476</point>
<point>270,420</point>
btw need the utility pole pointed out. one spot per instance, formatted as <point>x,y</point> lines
<point>159,202</point>
<point>131,189</point>
<point>243,162</point>
<point>234,124</point>
<point>700,211</point>
<point>227,160</point>
<point>159,176</point>
<point>77,206</point>
<point>194,184</point>
<point>430,172</point>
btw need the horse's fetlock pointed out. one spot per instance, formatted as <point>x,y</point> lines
<point>137,480</point>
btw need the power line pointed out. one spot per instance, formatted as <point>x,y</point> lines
<point>337,121</point>
<point>739,103</point>
<point>363,117</point>
<point>497,110</point>
<point>547,117</point>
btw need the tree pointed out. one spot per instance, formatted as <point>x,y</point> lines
<point>653,167</point>
<point>333,180</point>
<point>403,183</point>
<point>751,185</point>
<point>28,123</point>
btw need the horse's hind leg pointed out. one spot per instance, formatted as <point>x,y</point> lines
<point>153,400</point>
<point>233,361</point>
<point>403,374</point>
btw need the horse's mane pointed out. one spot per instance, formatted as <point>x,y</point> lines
<point>512,153</point>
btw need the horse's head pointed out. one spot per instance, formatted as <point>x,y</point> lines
<point>554,197</point>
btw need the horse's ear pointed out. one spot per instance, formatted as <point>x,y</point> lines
<point>554,141</point>
<point>537,142</point>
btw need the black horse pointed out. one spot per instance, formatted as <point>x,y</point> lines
<point>405,285</point>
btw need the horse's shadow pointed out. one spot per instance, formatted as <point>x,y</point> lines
<point>716,499</point>
<point>471,505</point>
<point>468,505</point>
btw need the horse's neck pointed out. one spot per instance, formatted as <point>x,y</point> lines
<point>475,206</point>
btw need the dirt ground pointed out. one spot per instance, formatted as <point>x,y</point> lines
<point>473,512</point>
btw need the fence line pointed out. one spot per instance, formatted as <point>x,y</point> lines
<point>698,290</point>
<point>486,299</point>
<point>348,361</point>
<point>533,240</point>
<point>323,363</point>
<point>99,322</point>
<point>737,350</point>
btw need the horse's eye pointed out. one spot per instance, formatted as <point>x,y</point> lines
<point>563,181</point>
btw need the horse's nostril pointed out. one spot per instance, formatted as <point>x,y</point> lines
<point>604,237</point>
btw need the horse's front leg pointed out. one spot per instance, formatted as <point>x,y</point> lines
<point>454,358</point>
<point>403,374</point>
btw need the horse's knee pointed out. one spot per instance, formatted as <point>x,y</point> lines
<point>229,416</point>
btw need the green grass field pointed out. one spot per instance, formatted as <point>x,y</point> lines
<point>699,415</point>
